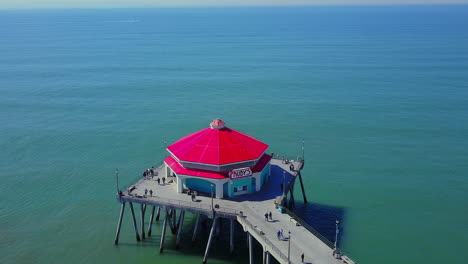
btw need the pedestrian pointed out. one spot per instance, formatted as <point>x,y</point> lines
<point>159,181</point>
<point>278,234</point>
<point>266,217</point>
<point>146,191</point>
<point>269,215</point>
<point>164,180</point>
<point>302,257</point>
<point>193,197</point>
<point>152,171</point>
<point>151,193</point>
<point>281,233</point>
<point>144,174</point>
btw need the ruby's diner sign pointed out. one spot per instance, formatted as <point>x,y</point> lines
<point>240,173</point>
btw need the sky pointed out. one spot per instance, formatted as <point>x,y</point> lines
<point>181,3</point>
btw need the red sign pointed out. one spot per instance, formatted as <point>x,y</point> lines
<point>240,173</point>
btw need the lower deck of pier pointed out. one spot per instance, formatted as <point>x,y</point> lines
<point>252,219</point>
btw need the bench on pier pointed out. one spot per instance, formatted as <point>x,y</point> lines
<point>294,221</point>
<point>131,188</point>
<point>347,260</point>
<point>259,230</point>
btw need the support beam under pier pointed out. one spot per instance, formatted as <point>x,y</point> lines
<point>231,237</point>
<point>157,214</point>
<point>142,213</point>
<point>302,186</point>
<point>134,222</point>
<point>210,239</point>
<point>150,225</point>
<point>119,225</point>
<point>181,224</point>
<point>195,229</point>
<point>163,233</point>
<point>250,248</point>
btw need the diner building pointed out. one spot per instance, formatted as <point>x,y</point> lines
<point>218,160</point>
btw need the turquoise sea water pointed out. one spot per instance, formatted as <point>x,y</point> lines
<point>379,94</point>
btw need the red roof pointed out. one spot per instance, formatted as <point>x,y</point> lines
<point>217,145</point>
<point>177,168</point>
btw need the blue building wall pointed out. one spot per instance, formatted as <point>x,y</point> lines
<point>199,185</point>
<point>265,176</point>
<point>225,189</point>
<point>242,182</point>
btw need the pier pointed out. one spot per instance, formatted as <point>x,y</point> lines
<point>247,210</point>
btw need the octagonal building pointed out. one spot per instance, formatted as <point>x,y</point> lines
<point>218,159</point>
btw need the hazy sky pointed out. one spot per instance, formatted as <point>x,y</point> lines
<point>170,3</point>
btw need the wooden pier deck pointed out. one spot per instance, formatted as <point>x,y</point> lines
<point>247,210</point>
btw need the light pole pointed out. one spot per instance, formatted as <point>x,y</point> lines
<point>212,208</point>
<point>289,246</point>
<point>284,181</point>
<point>303,150</point>
<point>337,230</point>
<point>117,178</point>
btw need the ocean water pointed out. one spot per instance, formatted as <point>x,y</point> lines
<point>379,95</point>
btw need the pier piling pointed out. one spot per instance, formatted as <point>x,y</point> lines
<point>181,224</point>
<point>119,225</point>
<point>195,228</point>
<point>142,213</point>
<point>150,225</point>
<point>134,222</point>
<point>250,248</point>
<point>231,237</point>
<point>157,214</point>
<point>163,233</point>
<point>210,239</point>
<point>302,186</point>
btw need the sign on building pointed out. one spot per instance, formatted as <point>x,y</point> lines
<point>240,173</point>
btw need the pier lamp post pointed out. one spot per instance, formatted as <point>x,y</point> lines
<point>302,150</point>
<point>284,181</point>
<point>337,230</point>
<point>117,178</point>
<point>212,186</point>
<point>289,246</point>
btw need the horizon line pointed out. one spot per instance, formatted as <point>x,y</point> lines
<point>233,6</point>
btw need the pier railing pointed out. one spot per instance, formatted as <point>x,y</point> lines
<point>264,240</point>
<point>189,206</point>
<point>308,227</point>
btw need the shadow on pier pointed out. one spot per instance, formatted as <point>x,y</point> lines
<point>322,218</point>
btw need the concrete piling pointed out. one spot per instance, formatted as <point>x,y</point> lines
<point>142,213</point>
<point>134,222</point>
<point>163,233</point>
<point>119,225</point>
<point>181,224</point>
<point>150,225</point>
<point>195,228</point>
<point>210,239</point>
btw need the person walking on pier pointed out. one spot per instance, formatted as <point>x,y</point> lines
<point>266,217</point>
<point>151,193</point>
<point>159,181</point>
<point>164,180</point>
<point>269,216</point>
<point>302,258</point>
<point>146,191</point>
<point>278,234</point>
